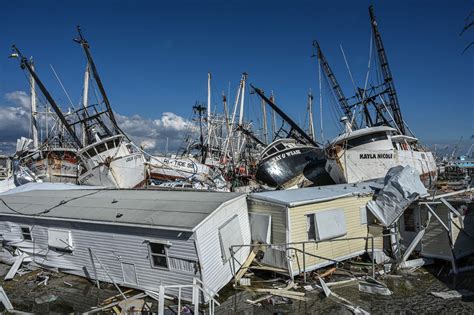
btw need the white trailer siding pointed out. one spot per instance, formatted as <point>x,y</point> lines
<point>112,246</point>
<point>216,272</point>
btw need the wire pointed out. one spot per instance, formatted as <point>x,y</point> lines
<point>62,202</point>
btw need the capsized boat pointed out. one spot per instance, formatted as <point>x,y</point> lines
<point>296,160</point>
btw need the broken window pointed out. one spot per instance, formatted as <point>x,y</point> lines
<point>311,227</point>
<point>26,233</point>
<point>409,220</point>
<point>158,255</point>
<point>327,224</point>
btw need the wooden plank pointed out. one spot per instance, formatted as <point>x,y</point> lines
<point>247,263</point>
<point>268,268</point>
<point>274,291</point>
<point>285,293</point>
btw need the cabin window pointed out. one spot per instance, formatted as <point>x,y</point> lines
<point>26,233</point>
<point>409,220</point>
<point>110,144</point>
<point>280,147</point>
<point>377,136</point>
<point>101,148</point>
<point>91,152</point>
<point>260,227</point>
<point>158,255</point>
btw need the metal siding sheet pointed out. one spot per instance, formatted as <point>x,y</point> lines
<point>112,249</point>
<point>216,273</point>
<point>333,250</point>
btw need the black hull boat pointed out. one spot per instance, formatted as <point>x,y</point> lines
<point>286,163</point>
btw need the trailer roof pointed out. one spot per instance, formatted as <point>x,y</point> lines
<point>303,196</point>
<point>176,210</point>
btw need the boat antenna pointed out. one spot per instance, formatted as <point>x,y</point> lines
<point>200,109</point>
<point>333,82</point>
<point>25,63</point>
<point>85,45</point>
<point>386,73</point>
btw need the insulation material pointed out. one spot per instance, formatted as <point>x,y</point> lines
<point>402,186</point>
<point>260,227</point>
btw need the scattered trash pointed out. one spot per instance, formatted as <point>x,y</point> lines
<point>416,263</point>
<point>67,283</point>
<point>373,286</point>
<point>308,288</point>
<point>245,282</point>
<point>453,294</point>
<point>48,298</point>
<point>326,289</point>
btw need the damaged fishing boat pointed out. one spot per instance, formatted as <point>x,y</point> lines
<point>108,157</point>
<point>296,160</point>
<point>368,148</point>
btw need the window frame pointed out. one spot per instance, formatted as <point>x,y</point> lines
<point>23,233</point>
<point>308,226</point>
<point>151,254</point>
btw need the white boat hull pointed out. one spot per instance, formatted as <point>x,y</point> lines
<point>357,165</point>
<point>122,172</point>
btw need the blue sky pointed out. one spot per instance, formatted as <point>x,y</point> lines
<point>154,56</point>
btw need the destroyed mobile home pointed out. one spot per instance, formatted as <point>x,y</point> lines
<point>157,240</point>
<point>138,239</point>
<point>306,229</point>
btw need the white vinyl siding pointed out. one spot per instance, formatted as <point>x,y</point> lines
<point>229,234</point>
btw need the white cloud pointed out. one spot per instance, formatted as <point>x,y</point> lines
<point>151,134</point>
<point>19,98</point>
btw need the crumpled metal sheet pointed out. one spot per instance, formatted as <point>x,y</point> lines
<point>402,186</point>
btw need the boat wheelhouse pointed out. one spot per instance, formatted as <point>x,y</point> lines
<point>285,162</point>
<point>112,162</point>
<point>368,153</point>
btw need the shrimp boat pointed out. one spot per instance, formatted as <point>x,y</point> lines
<point>295,160</point>
<point>107,157</point>
<point>383,140</point>
<point>368,153</point>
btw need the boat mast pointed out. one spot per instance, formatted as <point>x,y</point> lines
<point>310,112</point>
<point>200,109</point>
<point>285,117</point>
<point>85,101</point>
<point>209,112</point>
<point>387,75</point>
<point>241,114</point>
<point>265,127</point>
<point>334,84</point>
<point>24,63</point>
<point>85,45</point>
<point>34,111</point>
<point>272,99</point>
